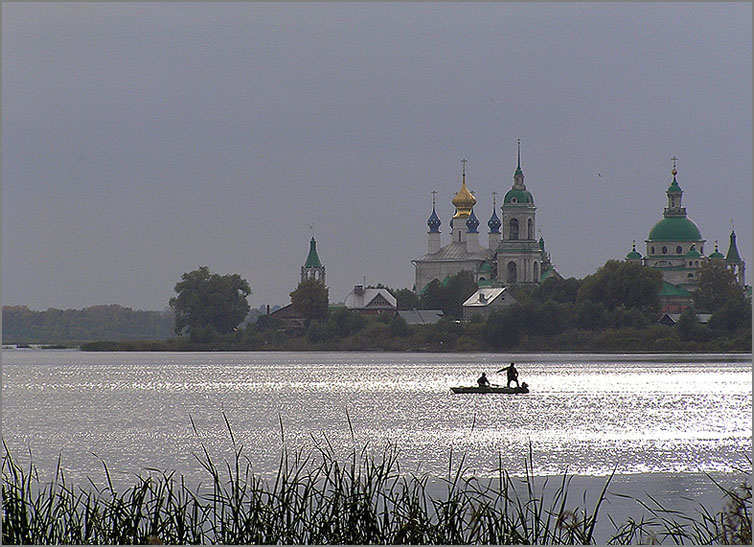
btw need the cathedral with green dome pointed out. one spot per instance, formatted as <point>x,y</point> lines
<point>512,254</point>
<point>675,247</point>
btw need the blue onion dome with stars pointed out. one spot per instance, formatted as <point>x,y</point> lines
<point>472,223</point>
<point>494,223</point>
<point>434,222</point>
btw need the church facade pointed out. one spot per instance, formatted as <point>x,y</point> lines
<point>675,247</point>
<point>511,255</point>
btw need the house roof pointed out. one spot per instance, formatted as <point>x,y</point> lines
<point>420,317</point>
<point>485,296</point>
<point>360,298</point>
<point>455,251</point>
<point>674,317</point>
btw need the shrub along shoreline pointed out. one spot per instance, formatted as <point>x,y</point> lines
<point>393,334</point>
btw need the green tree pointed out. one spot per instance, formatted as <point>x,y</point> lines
<point>551,318</point>
<point>399,328</point>
<point>559,290</point>
<point>590,315</point>
<point>504,328</point>
<point>735,314</point>
<point>459,288</point>
<point>209,300</point>
<point>344,322</point>
<point>688,327</point>
<point>715,287</point>
<point>406,299</point>
<point>433,296</point>
<point>623,284</point>
<point>311,299</point>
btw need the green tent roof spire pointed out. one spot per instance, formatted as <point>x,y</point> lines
<point>312,261</point>
<point>733,257</point>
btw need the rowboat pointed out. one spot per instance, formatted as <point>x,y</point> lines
<point>524,388</point>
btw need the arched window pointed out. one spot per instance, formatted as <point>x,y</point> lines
<point>511,272</point>
<point>513,232</point>
<point>536,272</point>
<point>679,250</point>
<point>530,229</point>
<point>664,250</point>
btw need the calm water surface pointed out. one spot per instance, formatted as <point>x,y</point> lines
<point>587,414</point>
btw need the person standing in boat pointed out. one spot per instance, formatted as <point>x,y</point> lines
<point>483,381</point>
<point>512,374</point>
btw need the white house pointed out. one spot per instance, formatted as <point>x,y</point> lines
<point>371,301</point>
<point>485,301</point>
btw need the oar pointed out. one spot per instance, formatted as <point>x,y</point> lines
<point>496,385</point>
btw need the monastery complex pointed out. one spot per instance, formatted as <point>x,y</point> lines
<point>511,254</point>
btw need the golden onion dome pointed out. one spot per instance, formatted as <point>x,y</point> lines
<point>463,201</point>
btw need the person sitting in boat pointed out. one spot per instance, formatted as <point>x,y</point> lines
<point>483,381</point>
<point>511,373</point>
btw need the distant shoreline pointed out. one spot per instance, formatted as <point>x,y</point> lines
<point>127,347</point>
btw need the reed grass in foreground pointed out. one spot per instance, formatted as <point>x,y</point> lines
<point>318,498</point>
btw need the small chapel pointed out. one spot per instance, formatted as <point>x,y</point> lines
<point>512,255</point>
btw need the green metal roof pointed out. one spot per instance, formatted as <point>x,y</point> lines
<point>675,229</point>
<point>668,289</point>
<point>485,267</point>
<point>733,257</point>
<point>312,261</point>
<point>546,273</point>
<point>717,255</point>
<point>522,197</point>
<point>693,253</point>
<point>633,255</point>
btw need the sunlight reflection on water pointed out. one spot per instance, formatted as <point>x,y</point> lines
<point>589,414</point>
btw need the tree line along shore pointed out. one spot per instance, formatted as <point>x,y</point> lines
<point>617,309</point>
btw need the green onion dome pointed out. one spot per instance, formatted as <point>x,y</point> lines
<point>693,253</point>
<point>717,255</point>
<point>633,255</point>
<point>675,229</point>
<point>517,196</point>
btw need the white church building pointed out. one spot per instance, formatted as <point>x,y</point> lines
<point>509,257</point>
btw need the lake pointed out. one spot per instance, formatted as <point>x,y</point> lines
<point>660,421</point>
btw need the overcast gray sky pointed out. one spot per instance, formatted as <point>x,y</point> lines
<point>141,141</point>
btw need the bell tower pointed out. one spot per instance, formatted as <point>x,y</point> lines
<point>313,268</point>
